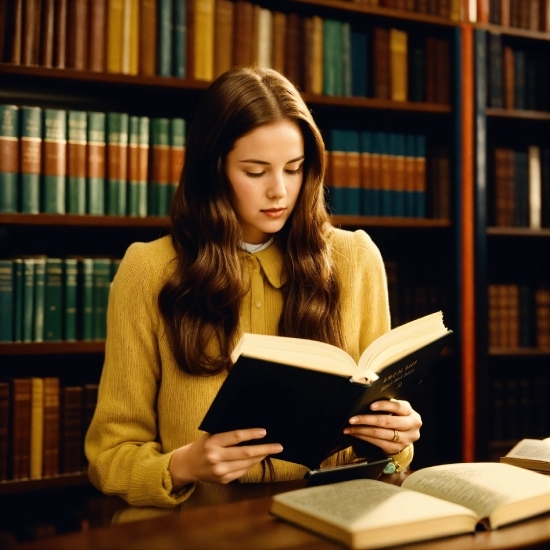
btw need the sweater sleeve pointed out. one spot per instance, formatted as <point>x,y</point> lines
<point>125,457</point>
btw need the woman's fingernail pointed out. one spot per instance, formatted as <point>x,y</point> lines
<point>374,406</point>
<point>261,432</point>
<point>347,431</point>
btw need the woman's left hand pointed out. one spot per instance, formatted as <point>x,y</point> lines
<point>391,432</point>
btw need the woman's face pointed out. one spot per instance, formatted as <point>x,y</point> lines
<point>265,170</point>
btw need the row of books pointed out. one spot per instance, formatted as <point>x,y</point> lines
<point>386,174</point>
<point>522,187</point>
<point>450,9</point>
<point>520,407</point>
<point>44,299</point>
<point>320,55</point>
<point>120,36</point>
<point>64,161</point>
<point>533,15</point>
<point>517,78</point>
<point>42,427</point>
<point>518,316</point>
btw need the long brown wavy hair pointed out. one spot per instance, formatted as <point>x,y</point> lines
<point>200,302</point>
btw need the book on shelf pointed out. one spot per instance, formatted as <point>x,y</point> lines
<point>177,155</point>
<point>60,35</point>
<point>53,300</point>
<point>431,503</point>
<point>6,300</point>
<point>72,436</point>
<point>39,302</point>
<point>70,299</point>
<point>148,28</point>
<point>294,49</point>
<point>359,62</point>
<point>30,158</point>
<point>243,32</point>
<point>47,33</point>
<point>117,163</point>
<point>77,134</point>
<point>381,63</point>
<point>160,167</point>
<point>96,163</point>
<point>203,32</point>
<point>9,157</point>
<point>115,26</point>
<point>130,38</point>
<point>20,439</point>
<point>97,35</point>
<point>31,32</point>
<point>4,430</point>
<point>398,65</point>
<point>37,427</point>
<point>533,454</point>
<point>77,35</point>
<point>285,385</point>
<point>55,161</point>
<point>51,426</point>
<point>224,14</point>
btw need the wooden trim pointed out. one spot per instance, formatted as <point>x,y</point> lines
<point>518,232</point>
<point>521,114</point>
<point>51,348</point>
<point>389,221</point>
<point>12,487</point>
<point>514,31</point>
<point>358,7</point>
<point>519,352</point>
<point>58,220</point>
<point>468,313</point>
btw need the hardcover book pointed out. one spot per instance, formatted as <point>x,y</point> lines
<point>9,157</point>
<point>433,502</point>
<point>30,158</point>
<point>303,392</point>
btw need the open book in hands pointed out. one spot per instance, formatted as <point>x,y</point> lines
<point>433,502</point>
<point>303,392</point>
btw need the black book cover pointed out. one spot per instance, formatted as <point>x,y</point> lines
<point>306,410</point>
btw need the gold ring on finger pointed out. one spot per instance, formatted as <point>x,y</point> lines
<point>396,436</point>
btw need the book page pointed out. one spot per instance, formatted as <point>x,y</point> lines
<point>480,486</point>
<point>298,352</point>
<point>531,449</point>
<point>363,503</point>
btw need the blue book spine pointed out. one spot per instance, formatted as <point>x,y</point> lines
<point>409,197</point>
<point>180,39</point>
<point>346,60</point>
<point>386,194</point>
<point>366,173</point>
<point>164,52</point>
<point>420,190</point>
<point>359,55</point>
<point>400,175</point>
<point>376,174</point>
<point>6,300</point>
<point>519,80</point>
<point>338,167</point>
<point>353,173</point>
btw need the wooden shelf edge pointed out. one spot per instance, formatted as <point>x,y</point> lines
<point>19,486</point>
<point>187,84</point>
<point>513,31</point>
<point>49,348</point>
<point>518,232</point>
<point>84,220</point>
<point>519,352</point>
<point>388,221</point>
<point>356,7</point>
<point>523,114</point>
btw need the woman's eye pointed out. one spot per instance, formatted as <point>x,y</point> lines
<point>294,172</point>
<point>255,174</point>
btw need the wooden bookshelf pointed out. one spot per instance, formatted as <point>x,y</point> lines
<point>51,348</point>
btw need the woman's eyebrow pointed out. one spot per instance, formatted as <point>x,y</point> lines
<point>256,161</point>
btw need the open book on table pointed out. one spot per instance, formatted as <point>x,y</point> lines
<point>533,454</point>
<point>303,392</point>
<point>433,502</point>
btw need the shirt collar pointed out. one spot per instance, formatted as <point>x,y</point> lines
<point>271,261</point>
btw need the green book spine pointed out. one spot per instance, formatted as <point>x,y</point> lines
<point>86,299</point>
<point>9,157</point>
<point>160,166</point>
<point>39,298</point>
<point>53,300</point>
<point>77,122</point>
<point>117,163</point>
<point>31,158</point>
<point>6,301</point>
<point>133,166</point>
<point>143,178</point>
<point>28,299</point>
<point>102,283</point>
<point>95,164</point>
<point>55,160</point>
<point>177,154</point>
<point>70,288</point>
<point>164,49</point>
<point>18,283</point>
<point>332,57</point>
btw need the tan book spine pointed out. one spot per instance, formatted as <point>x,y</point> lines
<point>97,34</point>
<point>399,65</point>
<point>51,426</point>
<point>203,20</point>
<point>243,33</point>
<point>60,34</point>
<point>115,26</point>
<point>148,37</point>
<point>223,36</point>
<point>47,33</point>
<point>31,32</point>
<point>37,428</point>
<point>77,35</point>
<point>279,40</point>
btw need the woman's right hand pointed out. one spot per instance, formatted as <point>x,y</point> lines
<point>218,458</point>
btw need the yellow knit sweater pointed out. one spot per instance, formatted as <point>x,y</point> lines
<point>147,407</point>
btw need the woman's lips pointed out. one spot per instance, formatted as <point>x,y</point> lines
<point>274,212</point>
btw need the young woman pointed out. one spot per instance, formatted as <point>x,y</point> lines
<point>251,250</point>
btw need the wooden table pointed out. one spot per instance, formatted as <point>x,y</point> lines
<point>247,525</point>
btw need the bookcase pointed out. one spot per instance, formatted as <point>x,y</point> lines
<point>405,114</point>
<point>512,236</point>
